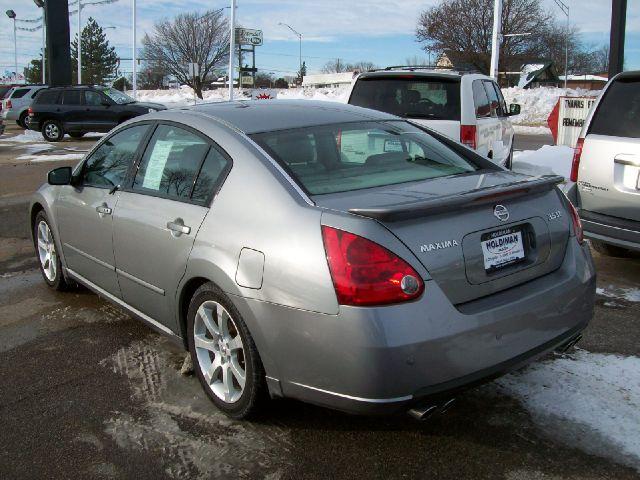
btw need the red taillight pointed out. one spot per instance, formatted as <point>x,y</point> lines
<point>365,273</point>
<point>468,136</point>
<point>577,223</point>
<point>7,104</point>
<point>577,153</point>
<point>30,111</point>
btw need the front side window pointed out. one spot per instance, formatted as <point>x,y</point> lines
<point>618,114</point>
<point>494,101</point>
<point>481,100</point>
<point>171,163</point>
<point>353,156</point>
<point>108,165</point>
<point>117,96</point>
<point>410,96</point>
<point>93,98</point>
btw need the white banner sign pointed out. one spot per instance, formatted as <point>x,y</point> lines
<point>568,117</point>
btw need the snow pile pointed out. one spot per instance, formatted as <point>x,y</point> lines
<point>28,136</point>
<point>548,160</point>
<point>184,96</point>
<point>628,294</point>
<point>590,400</point>
<point>537,103</point>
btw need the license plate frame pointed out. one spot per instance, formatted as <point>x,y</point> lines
<point>508,249</point>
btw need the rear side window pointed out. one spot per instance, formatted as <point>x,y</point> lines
<point>19,92</point>
<point>618,113</point>
<point>353,156</point>
<point>108,165</point>
<point>47,97</point>
<point>411,97</point>
<point>213,171</point>
<point>481,100</point>
<point>71,97</point>
<point>494,101</point>
<point>171,163</point>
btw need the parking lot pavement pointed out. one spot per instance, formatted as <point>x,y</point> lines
<point>89,392</point>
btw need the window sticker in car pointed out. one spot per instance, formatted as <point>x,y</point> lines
<point>157,161</point>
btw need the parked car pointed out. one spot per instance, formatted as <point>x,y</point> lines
<point>606,167</point>
<point>15,105</point>
<point>4,89</point>
<point>289,266</point>
<point>78,110</point>
<point>467,107</point>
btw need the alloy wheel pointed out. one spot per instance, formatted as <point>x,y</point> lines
<point>47,251</point>
<point>51,130</point>
<point>220,351</point>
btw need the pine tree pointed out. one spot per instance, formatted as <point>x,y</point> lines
<point>33,72</point>
<point>99,59</point>
<point>301,73</point>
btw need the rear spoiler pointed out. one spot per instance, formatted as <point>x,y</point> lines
<point>446,203</point>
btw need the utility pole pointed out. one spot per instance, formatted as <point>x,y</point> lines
<point>565,9</point>
<point>232,47</point>
<point>496,38</point>
<point>299,35</point>
<point>134,83</point>
<point>618,27</point>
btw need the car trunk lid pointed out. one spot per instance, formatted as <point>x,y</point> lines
<point>446,221</point>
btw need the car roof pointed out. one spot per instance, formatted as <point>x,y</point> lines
<point>410,71</point>
<point>270,115</point>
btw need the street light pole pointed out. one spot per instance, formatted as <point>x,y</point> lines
<point>565,9</point>
<point>495,38</point>
<point>299,35</point>
<point>232,47</point>
<point>12,15</point>
<point>40,4</point>
<point>79,50</point>
<point>134,80</point>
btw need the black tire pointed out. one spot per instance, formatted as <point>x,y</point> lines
<point>22,120</point>
<point>57,281</point>
<point>52,131</point>
<point>76,134</point>
<point>254,394</point>
<point>609,250</point>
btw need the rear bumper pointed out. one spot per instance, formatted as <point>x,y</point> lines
<point>9,114</point>
<point>387,359</point>
<point>613,230</point>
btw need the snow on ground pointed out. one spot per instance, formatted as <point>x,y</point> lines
<point>628,294</point>
<point>588,400</point>
<point>537,103</point>
<point>51,158</point>
<point>28,136</point>
<point>532,130</point>
<point>548,160</point>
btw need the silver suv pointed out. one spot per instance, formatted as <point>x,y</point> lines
<point>606,167</point>
<point>15,105</point>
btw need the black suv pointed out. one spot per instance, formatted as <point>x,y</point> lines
<point>77,110</point>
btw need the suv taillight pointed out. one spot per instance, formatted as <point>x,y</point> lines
<point>575,164</point>
<point>468,136</point>
<point>577,223</point>
<point>30,111</point>
<point>365,273</point>
<point>7,104</point>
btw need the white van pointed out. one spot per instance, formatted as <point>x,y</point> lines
<point>469,107</point>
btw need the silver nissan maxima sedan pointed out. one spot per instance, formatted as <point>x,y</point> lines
<point>319,251</point>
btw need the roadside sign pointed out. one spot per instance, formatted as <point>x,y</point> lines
<point>194,70</point>
<point>247,36</point>
<point>567,118</point>
<point>264,94</point>
<point>247,80</point>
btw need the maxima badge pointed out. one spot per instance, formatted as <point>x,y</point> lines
<point>501,212</point>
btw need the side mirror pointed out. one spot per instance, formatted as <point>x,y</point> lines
<point>60,176</point>
<point>514,109</point>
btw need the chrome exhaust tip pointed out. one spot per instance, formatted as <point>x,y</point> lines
<point>425,412</point>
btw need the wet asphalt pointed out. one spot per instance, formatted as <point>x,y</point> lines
<point>89,392</point>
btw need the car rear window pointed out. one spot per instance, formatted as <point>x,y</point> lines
<point>618,113</point>
<point>19,92</point>
<point>47,97</point>
<point>4,90</point>
<point>409,96</point>
<point>352,156</point>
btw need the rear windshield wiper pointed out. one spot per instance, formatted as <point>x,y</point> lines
<point>423,115</point>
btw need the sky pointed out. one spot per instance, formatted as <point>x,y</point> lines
<point>380,31</point>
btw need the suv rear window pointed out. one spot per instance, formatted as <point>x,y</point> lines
<point>409,96</point>
<point>19,92</point>
<point>618,113</point>
<point>47,97</point>
<point>353,156</point>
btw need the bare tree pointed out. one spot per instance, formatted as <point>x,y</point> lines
<point>189,38</point>
<point>465,26</point>
<point>339,66</point>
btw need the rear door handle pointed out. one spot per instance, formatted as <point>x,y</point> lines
<point>103,210</point>
<point>178,227</point>
<point>627,159</point>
